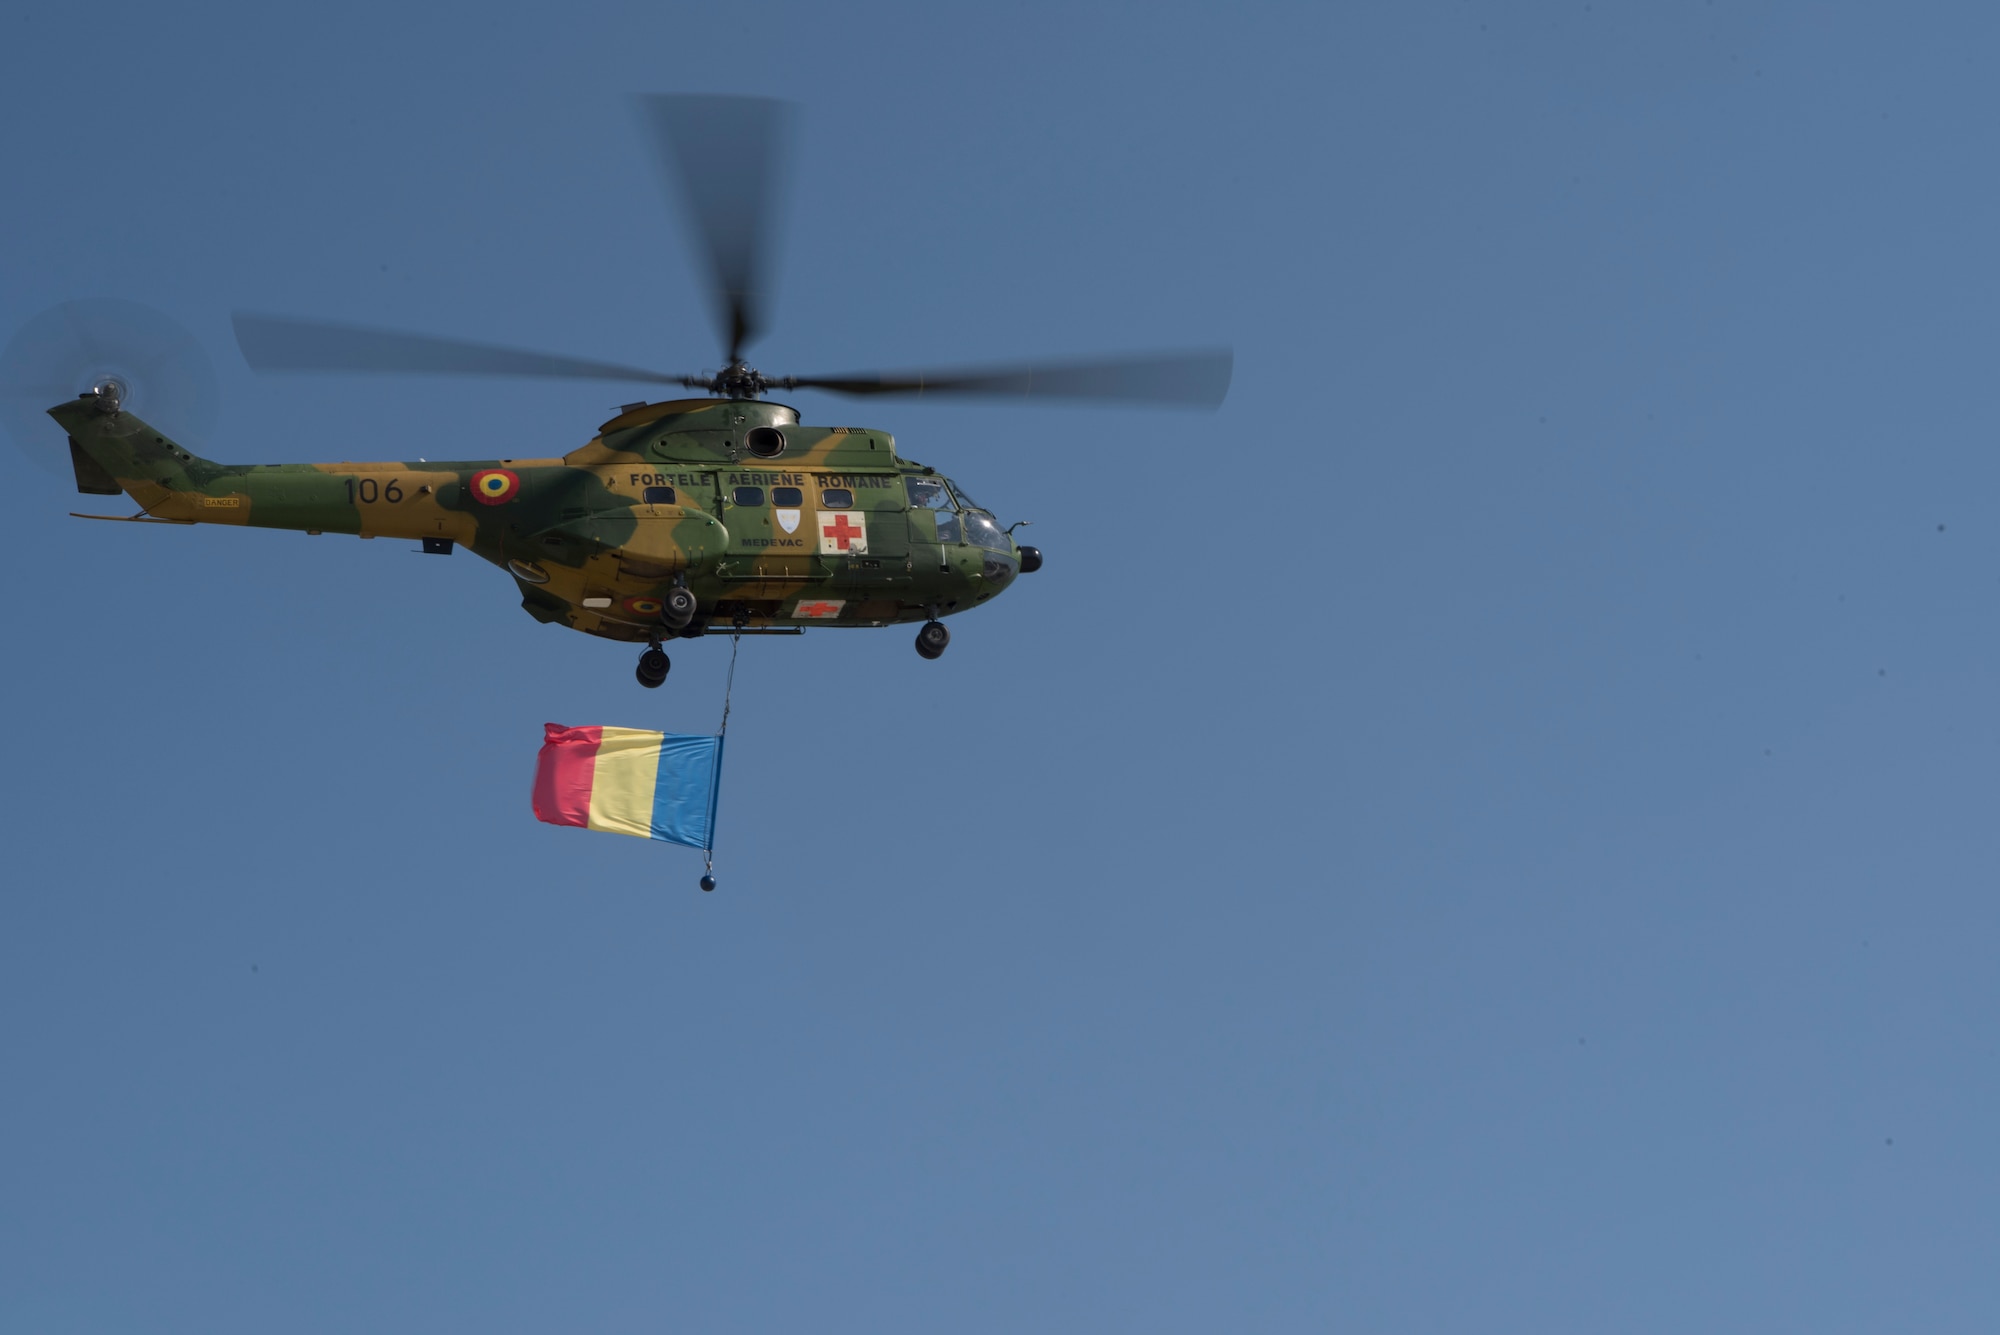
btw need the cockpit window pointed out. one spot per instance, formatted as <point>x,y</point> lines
<point>985,531</point>
<point>749,496</point>
<point>965,502</point>
<point>928,494</point>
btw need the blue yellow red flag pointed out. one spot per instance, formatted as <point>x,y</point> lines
<point>656,785</point>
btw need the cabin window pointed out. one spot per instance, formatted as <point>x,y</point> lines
<point>789,497</point>
<point>749,496</point>
<point>659,495</point>
<point>836,498</point>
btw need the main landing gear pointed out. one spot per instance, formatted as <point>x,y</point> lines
<point>932,639</point>
<point>677,609</point>
<point>654,665</point>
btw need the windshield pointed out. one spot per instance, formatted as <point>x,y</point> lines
<point>984,530</point>
<point>965,502</point>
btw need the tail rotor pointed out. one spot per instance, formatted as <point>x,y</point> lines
<point>129,355</point>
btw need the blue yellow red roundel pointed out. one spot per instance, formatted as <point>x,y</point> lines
<point>645,607</point>
<point>494,486</point>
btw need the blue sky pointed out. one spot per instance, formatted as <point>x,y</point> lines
<point>1490,830</point>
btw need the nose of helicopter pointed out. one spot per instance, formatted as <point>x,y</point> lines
<point>998,569</point>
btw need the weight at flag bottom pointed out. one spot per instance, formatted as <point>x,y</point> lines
<point>656,785</point>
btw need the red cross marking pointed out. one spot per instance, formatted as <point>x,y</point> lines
<point>841,531</point>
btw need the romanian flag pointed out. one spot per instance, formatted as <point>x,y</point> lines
<point>657,785</point>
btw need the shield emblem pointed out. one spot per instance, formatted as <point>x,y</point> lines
<point>788,520</point>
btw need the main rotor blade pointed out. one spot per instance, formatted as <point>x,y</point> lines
<point>279,343</point>
<point>1189,379</point>
<point>725,157</point>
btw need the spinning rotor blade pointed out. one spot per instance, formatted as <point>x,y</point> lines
<point>725,157</point>
<point>277,343</point>
<point>1190,379</point>
<point>67,349</point>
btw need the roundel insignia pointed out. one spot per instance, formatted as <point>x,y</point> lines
<point>495,486</point>
<point>645,607</point>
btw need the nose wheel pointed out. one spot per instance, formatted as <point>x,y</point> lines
<point>932,639</point>
<point>654,666</point>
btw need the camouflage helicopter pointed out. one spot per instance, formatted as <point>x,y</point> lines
<point>717,511</point>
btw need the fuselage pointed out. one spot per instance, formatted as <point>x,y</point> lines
<point>765,521</point>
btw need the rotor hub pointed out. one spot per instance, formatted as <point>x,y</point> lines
<point>110,392</point>
<point>738,380</point>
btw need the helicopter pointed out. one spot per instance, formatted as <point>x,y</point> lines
<point>718,510</point>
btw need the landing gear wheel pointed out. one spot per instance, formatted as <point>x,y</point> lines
<point>653,668</point>
<point>932,639</point>
<point>677,608</point>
